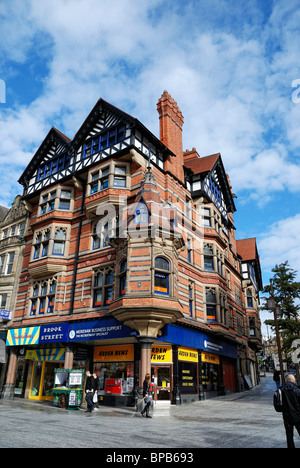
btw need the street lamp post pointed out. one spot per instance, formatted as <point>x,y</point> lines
<point>271,304</point>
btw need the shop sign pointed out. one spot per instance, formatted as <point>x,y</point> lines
<point>46,354</point>
<point>98,330</point>
<point>161,354</point>
<point>54,333</point>
<point>186,354</point>
<point>211,358</point>
<point>5,314</point>
<point>190,338</point>
<point>23,336</point>
<point>118,353</point>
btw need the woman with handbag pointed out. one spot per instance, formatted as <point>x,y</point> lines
<point>147,395</point>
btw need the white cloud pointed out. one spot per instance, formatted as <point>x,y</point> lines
<point>281,243</point>
<point>231,75</point>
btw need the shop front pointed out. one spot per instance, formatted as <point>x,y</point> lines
<point>185,364</point>
<point>210,374</point>
<point>114,366</point>
<point>37,351</point>
<point>161,371</point>
<point>204,366</point>
<point>43,362</point>
<point>3,359</point>
<point>188,376</point>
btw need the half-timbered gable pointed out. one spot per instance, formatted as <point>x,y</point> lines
<point>109,132</point>
<point>52,162</point>
<point>206,177</point>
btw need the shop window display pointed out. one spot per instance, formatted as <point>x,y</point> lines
<point>210,377</point>
<point>121,372</point>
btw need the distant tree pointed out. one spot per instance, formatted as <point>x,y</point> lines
<point>286,291</point>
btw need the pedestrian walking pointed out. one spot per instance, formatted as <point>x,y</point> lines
<point>147,394</point>
<point>89,392</point>
<point>291,409</point>
<point>276,378</point>
<point>96,391</point>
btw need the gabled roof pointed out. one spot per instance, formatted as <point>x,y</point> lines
<point>103,116</point>
<point>201,165</point>
<point>102,107</point>
<point>93,117</point>
<point>246,248</point>
<point>54,135</point>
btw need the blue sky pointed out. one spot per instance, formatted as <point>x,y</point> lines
<point>229,65</point>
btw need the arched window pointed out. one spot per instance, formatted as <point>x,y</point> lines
<point>161,276</point>
<point>122,278</point>
<point>141,214</point>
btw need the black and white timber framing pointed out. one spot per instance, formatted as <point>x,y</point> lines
<point>214,186</point>
<point>107,132</point>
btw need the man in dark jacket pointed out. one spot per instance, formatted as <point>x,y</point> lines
<point>89,392</point>
<point>291,409</point>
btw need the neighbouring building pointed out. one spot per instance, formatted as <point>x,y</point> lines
<point>12,243</point>
<point>131,265</point>
<point>252,285</point>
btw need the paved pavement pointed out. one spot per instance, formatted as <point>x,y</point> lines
<point>242,420</point>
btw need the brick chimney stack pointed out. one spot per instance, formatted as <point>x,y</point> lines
<point>170,124</point>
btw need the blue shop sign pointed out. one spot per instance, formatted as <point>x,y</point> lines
<point>193,339</point>
<point>5,314</point>
<point>54,333</point>
<point>99,330</point>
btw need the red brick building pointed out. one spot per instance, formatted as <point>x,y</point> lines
<point>131,264</point>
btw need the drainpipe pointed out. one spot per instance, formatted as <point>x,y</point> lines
<point>78,184</point>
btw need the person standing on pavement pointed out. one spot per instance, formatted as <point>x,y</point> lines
<point>96,391</point>
<point>276,378</point>
<point>147,394</point>
<point>291,409</point>
<point>89,392</point>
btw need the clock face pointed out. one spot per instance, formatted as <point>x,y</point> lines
<point>213,191</point>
